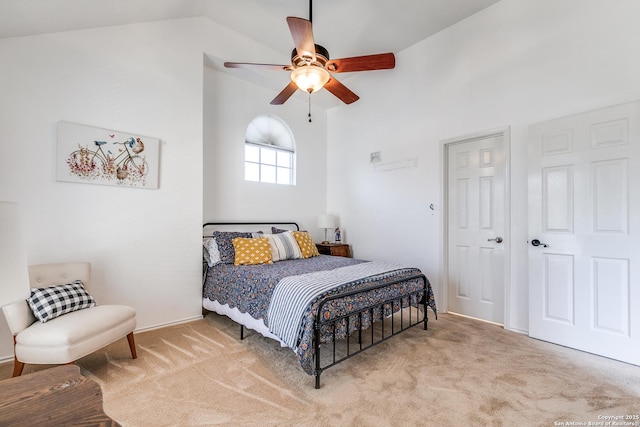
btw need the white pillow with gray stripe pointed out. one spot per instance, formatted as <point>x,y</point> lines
<point>283,246</point>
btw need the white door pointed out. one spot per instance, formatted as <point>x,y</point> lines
<point>475,179</point>
<point>584,215</point>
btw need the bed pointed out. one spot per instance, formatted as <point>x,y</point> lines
<point>325,308</point>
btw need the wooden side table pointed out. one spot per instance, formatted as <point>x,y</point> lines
<point>58,396</point>
<point>335,249</point>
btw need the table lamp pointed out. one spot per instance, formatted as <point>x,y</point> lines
<point>326,222</point>
<point>14,273</point>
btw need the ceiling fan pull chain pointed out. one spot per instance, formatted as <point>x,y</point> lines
<point>309,107</point>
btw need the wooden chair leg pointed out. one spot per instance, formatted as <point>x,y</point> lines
<point>18,366</point>
<point>132,345</point>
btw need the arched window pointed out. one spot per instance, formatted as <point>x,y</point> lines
<point>269,151</point>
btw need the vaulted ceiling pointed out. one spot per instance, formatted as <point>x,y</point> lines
<point>345,27</point>
<point>348,27</point>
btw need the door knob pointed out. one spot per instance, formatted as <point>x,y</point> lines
<point>497,240</point>
<point>536,242</point>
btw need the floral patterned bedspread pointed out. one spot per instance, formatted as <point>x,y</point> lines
<point>249,288</point>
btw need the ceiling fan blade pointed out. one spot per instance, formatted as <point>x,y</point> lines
<point>341,91</point>
<point>248,65</point>
<point>381,61</point>
<point>285,94</point>
<point>302,33</point>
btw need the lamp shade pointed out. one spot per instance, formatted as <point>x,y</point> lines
<point>14,273</point>
<point>326,221</point>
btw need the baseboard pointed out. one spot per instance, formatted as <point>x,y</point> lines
<point>518,331</point>
<point>166,325</point>
<point>475,318</point>
<point>510,329</point>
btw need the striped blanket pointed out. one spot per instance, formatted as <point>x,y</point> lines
<point>293,295</point>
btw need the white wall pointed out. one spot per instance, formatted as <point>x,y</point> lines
<point>230,104</point>
<point>513,64</point>
<point>147,79</point>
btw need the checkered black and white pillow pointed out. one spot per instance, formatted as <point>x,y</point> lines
<point>49,303</point>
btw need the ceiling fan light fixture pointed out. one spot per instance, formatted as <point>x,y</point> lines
<point>310,78</point>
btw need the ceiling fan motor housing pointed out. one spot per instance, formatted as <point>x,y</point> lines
<point>322,56</point>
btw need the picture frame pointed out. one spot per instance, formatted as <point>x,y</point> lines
<point>93,155</point>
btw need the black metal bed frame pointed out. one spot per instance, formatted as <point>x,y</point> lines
<point>319,323</point>
<point>370,310</point>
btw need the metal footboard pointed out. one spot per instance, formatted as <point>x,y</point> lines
<point>412,311</point>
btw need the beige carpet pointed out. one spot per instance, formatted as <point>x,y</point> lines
<point>460,372</point>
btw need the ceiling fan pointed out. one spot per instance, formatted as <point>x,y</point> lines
<point>311,68</point>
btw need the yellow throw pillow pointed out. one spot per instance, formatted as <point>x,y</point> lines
<point>252,251</point>
<point>307,247</point>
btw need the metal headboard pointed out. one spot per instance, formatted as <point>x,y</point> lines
<point>248,226</point>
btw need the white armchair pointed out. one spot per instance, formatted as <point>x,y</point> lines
<point>67,338</point>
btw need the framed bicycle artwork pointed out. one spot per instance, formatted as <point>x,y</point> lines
<point>94,155</point>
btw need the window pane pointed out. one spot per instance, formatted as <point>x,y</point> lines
<point>251,153</point>
<point>269,165</point>
<point>284,159</point>
<point>252,172</point>
<point>284,176</point>
<point>268,174</point>
<point>268,156</point>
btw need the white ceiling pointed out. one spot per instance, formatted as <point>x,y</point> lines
<point>345,27</point>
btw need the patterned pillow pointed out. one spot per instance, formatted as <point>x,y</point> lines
<point>283,246</point>
<point>210,251</point>
<point>49,303</point>
<point>275,230</point>
<point>307,247</point>
<point>225,247</point>
<point>252,251</point>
